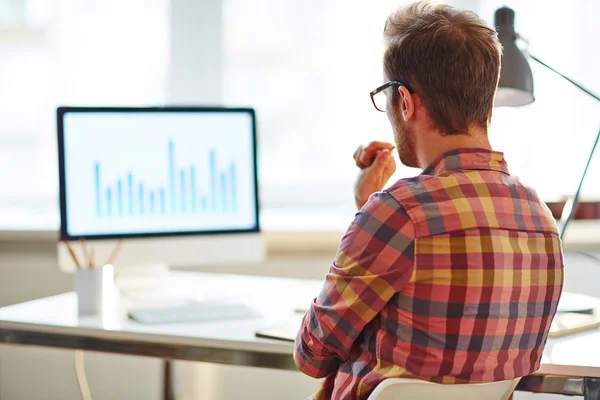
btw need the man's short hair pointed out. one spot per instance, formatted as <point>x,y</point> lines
<point>450,57</point>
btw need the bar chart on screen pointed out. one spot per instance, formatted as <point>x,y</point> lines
<point>159,173</point>
<point>132,196</point>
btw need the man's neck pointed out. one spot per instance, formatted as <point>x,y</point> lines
<point>432,144</point>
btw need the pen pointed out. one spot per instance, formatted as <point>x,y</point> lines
<point>114,253</point>
<point>86,254</point>
<point>92,261</point>
<point>73,255</point>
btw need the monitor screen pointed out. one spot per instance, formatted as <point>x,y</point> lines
<point>135,172</point>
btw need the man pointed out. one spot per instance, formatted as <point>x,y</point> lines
<point>452,276</point>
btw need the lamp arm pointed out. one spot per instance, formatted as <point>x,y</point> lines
<point>534,58</point>
<point>574,201</point>
<point>568,209</point>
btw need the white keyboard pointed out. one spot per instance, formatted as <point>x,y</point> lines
<point>194,312</point>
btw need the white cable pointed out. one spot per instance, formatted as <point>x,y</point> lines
<point>84,388</point>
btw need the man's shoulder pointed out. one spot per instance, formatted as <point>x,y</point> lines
<point>400,193</point>
<point>382,221</point>
<point>443,203</point>
<point>409,191</point>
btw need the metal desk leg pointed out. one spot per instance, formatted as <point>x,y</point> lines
<point>591,388</point>
<point>168,380</point>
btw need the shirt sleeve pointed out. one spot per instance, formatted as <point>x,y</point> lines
<point>375,261</point>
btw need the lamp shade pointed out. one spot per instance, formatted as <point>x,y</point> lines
<point>516,81</point>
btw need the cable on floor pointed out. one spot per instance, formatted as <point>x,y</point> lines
<point>84,388</point>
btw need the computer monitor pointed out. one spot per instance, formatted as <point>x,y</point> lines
<point>177,185</point>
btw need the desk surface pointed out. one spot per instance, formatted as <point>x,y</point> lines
<point>53,322</point>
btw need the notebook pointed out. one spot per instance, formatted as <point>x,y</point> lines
<point>569,323</point>
<point>285,332</point>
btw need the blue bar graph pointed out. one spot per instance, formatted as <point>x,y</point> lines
<point>109,202</point>
<point>152,203</point>
<point>182,183</point>
<point>120,196</point>
<point>130,192</point>
<point>204,204</point>
<point>163,203</point>
<point>211,189</point>
<point>172,175</point>
<point>193,187</point>
<point>213,180</point>
<point>233,184</point>
<point>141,198</point>
<point>98,200</point>
<point>223,191</point>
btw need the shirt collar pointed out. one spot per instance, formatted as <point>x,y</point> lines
<point>463,159</point>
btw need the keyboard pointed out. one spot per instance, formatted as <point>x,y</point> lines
<point>194,312</point>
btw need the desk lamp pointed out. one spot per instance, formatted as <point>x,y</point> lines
<point>516,89</point>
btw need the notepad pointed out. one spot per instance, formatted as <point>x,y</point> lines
<point>569,323</point>
<point>285,332</point>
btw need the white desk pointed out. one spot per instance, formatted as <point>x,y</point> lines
<point>53,322</point>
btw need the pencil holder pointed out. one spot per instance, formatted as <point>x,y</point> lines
<point>93,287</point>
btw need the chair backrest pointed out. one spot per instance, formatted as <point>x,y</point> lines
<point>399,388</point>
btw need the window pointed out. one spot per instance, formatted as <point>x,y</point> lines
<point>25,14</point>
<point>548,142</point>
<point>308,66</point>
<point>67,52</point>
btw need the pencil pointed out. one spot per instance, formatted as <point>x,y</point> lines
<point>73,255</point>
<point>92,262</point>
<point>114,253</point>
<point>86,254</point>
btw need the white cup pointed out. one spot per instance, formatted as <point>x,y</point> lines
<point>93,287</point>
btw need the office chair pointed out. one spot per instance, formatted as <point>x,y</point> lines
<point>399,388</point>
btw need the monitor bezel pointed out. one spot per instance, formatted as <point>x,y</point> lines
<point>62,111</point>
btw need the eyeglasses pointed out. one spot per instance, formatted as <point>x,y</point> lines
<point>378,96</point>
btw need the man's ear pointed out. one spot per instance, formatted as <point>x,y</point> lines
<point>407,103</point>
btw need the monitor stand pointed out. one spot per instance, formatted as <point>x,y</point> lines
<point>156,286</point>
<point>151,296</point>
<point>141,276</point>
<point>148,285</point>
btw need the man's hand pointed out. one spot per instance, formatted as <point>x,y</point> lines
<point>377,165</point>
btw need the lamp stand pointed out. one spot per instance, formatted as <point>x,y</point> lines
<point>570,205</point>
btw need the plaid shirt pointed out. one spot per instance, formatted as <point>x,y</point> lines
<point>452,277</point>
